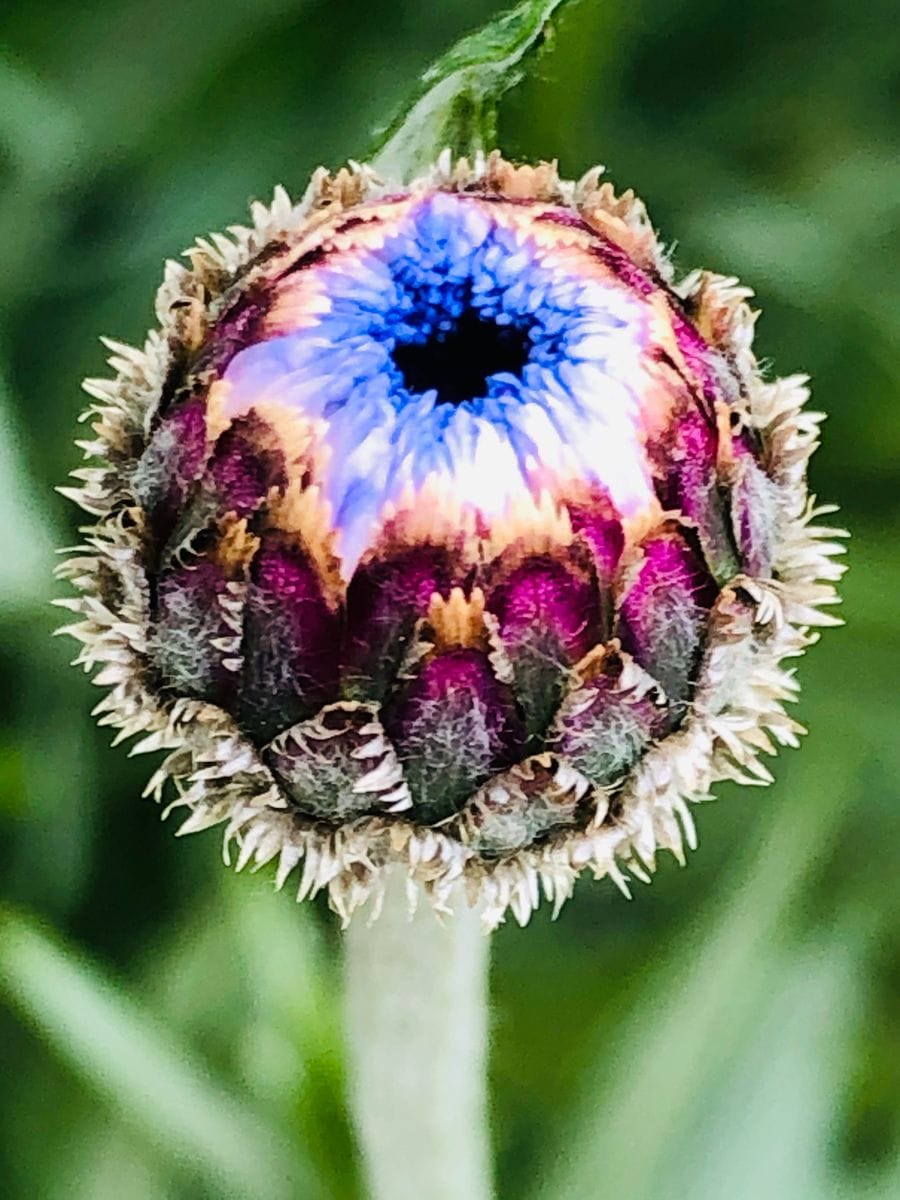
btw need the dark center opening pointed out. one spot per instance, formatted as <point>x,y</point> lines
<point>458,361</point>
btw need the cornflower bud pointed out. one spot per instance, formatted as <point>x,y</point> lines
<point>439,526</point>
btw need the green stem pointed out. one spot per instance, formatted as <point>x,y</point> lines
<point>456,103</point>
<point>417,1036</point>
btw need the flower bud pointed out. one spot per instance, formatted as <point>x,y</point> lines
<point>438,526</point>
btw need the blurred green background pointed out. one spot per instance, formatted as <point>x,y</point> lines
<point>171,1031</point>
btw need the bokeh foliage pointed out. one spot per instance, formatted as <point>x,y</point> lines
<point>170,1031</point>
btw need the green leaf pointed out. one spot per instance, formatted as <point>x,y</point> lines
<point>456,105</point>
<point>148,1079</point>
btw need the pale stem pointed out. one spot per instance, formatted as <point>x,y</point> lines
<point>416,1012</point>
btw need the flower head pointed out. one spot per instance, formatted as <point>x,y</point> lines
<point>438,526</point>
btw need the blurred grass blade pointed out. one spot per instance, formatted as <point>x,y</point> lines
<point>37,127</point>
<point>640,1096</point>
<point>105,1164</point>
<point>26,544</point>
<point>456,105</point>
<point>251,977</point>
<point>782,1090</point>
<point>136,1066</point>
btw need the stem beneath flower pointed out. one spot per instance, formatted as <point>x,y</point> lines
<point>416,996</point>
